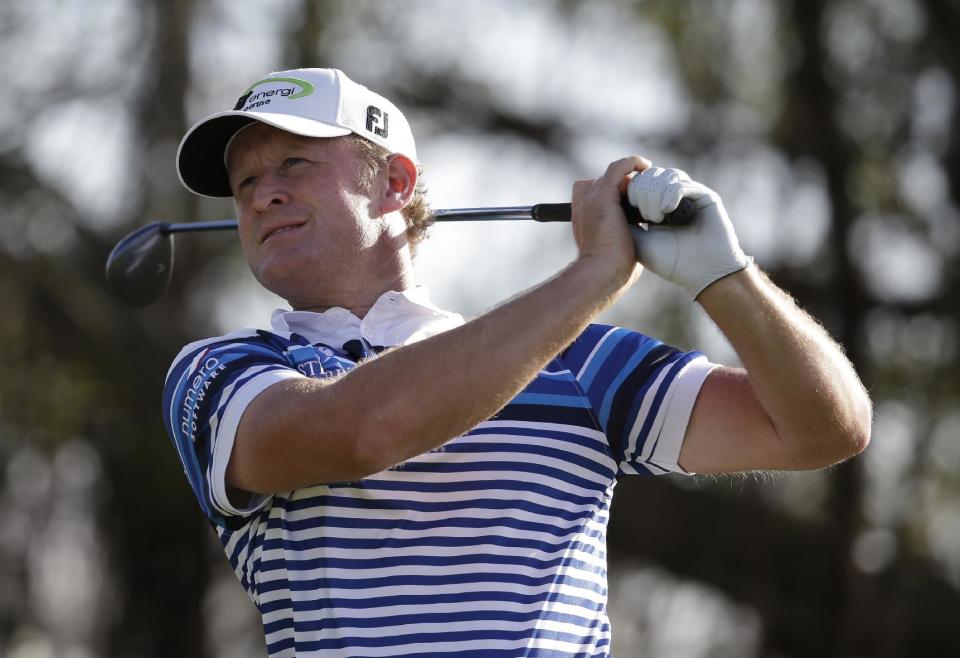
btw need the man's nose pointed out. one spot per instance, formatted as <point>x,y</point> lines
<point>269,190</point>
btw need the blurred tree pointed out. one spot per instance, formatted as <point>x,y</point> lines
<point>77,363</point>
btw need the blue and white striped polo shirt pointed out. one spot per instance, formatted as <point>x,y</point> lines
<point>492,545</point>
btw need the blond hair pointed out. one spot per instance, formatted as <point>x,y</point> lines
<point>417,214</point>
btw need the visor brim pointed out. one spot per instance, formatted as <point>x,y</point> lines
<point>200,158</point>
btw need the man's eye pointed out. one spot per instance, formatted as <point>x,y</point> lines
<point>249,180</point>
<point>289,162</point>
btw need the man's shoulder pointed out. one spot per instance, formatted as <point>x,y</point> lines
<point>236,337</point>
<point>598,332</point>
<point>597,343</point>
<point>237,340</point>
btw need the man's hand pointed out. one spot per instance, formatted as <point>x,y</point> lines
<point>599,226</point>
<point>692,256</point>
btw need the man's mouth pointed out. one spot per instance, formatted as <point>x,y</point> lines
<point>279,230</point>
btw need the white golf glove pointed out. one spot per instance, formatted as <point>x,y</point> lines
<point>691,256</point>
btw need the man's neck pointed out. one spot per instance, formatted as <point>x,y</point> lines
<point>361,303</point>
<point>358,285</point>
<point>358,301</point>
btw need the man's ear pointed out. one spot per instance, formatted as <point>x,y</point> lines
<point>401,183</point>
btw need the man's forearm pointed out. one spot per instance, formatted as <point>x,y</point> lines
<point>799,375</point>
<point>444,386</point>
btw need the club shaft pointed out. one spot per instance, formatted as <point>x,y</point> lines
<point>447,215</point>
<point>483,214</point>
<point>541,212</point>
<point>190,227</point>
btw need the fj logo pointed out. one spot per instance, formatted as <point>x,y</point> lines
<point>373,118</point>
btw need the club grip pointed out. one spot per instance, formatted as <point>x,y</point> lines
<point>560,212</point>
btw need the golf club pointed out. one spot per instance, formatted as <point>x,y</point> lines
<point>140,265</point>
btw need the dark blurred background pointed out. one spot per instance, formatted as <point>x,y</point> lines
<point>831,129</point>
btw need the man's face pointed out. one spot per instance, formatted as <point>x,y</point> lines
<point>302,212</point>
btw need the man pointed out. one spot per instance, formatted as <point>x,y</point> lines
<point>389,480</point>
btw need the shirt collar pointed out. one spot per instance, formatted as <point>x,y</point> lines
<point>397,318</point>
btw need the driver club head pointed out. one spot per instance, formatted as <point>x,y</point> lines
<point>140,265</point>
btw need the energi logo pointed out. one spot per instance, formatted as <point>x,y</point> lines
<point>289,88</point>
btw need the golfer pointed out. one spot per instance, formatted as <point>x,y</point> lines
<point>387,479</point>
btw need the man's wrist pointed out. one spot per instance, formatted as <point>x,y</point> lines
<point>730,288</point>
<point>602,276</point>
<point>739,263</point>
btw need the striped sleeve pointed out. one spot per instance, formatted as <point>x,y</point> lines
<point>207,389</point>
<point>642,393</point>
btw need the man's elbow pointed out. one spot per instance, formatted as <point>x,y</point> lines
<point>863,426</point>
<point>829,438</point>
<point>858,438</point>
<point>851,435</point>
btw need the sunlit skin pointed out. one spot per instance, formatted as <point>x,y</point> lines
<point>801,405</point>
<point>310,232</point>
